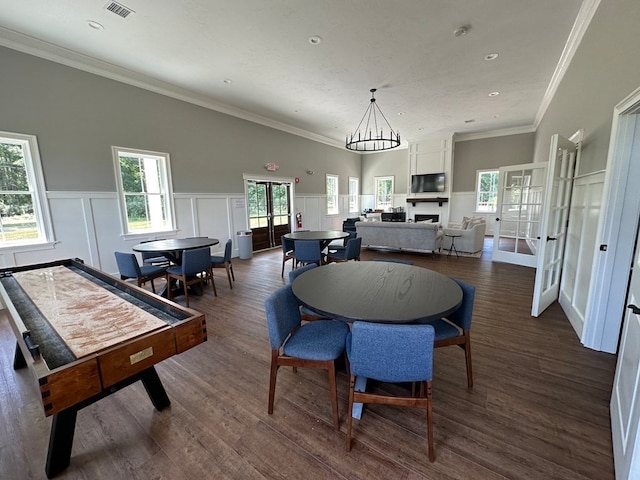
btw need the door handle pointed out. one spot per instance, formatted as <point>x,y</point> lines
<point>497,219</point>
<point>634,309</point>
<point>551,238</point>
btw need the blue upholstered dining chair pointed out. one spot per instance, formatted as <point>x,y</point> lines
<point>308,251</point>
<point>195,268</point>
<point>336,247</point>
<point>351,252</point>
<point>392,353</point>
<point>154,258</point>
<point>225,262</point>
<point>288,253</point>
<point>129,267</point>
<point>306,313</point>
<point>455,329</point>
<point>293,344</point>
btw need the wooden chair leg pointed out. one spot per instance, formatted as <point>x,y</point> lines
<point>333,390</point>
<point>272,379</point>
<point>213,284</point>
<point>232,274</point>
<point>186,290</point>
<point>432,456</point>
<point>228,268</point>
<point>352,385</point>
<point>467,356</point>
<point>169,288</point>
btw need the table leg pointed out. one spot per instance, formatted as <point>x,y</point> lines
<point>360,386</point>
<point>18,359</point>
<point>154,388</point>
<point>61,441</point>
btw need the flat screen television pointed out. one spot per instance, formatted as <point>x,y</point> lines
<point>427,182</point>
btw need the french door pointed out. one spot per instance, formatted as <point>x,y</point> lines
<point>518,215</point>
<point>269,212</point>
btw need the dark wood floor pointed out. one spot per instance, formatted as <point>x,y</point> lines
<point>539,408</point>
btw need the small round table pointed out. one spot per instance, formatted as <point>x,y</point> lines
<point>453,237</point>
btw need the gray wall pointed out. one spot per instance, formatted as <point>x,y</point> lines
<point>482,154</point>
<point>394,162</point>
<point>604,70</point>
<point>78,116</point>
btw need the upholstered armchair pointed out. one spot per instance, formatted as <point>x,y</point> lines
<point>469,235</point>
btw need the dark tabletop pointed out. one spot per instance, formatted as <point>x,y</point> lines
<point>378,292</point>
<point>317,235</point>
<point>175,244</point>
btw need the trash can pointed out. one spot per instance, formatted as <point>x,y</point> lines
<point>245,244</point>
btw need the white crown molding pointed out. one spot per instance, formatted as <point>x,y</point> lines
<point>463,137</point>
<point>48,51</point>
<point>585,15</point>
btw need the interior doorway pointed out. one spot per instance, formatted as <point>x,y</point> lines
<point>269,210</point>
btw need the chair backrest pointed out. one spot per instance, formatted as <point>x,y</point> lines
<point>393,260</point>
<point>283,315</point>
<point>227,251</point>
<point>128,265</point>
<point>308,251</point>
<point>463,315</point>
<point>287,244</point>
<point>293,274</point>
<point>353,247</point>
<point>391,353</point>
<point>196,260</point>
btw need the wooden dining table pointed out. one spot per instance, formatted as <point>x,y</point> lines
<point>325,237</point>
<point>377,292</point>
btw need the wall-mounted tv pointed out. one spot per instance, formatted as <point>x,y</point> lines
<point>428,182</point>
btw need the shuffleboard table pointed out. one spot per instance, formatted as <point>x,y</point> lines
<point>85,335</point>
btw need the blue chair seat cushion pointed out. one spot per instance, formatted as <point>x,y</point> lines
<point>321,340</point>
<point>444,329</point>
<point>217,259</point>
<point>159,259</point>
<point>150,270</point>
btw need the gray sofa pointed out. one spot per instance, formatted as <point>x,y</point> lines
<point>423,237</point>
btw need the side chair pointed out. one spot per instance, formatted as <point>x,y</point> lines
<point>225,262</point>
<point>392,354</point>
<point>308,251</point>
<point>293,344</point>
<point>288,253</point>
<point>351,252</point>
<point>455,329</point>
<point>129,267</point>
<point>154,258</point>
<point>306,313</point>
<point>195,268</point>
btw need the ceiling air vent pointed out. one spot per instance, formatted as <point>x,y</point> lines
<point>119,9</point>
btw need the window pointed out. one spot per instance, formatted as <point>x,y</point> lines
<point>24,216</point>
<point>144,185</point>
<point>384,193</point>
<point>332,195</point>
<point>487,191</point>
<point>354,205</point>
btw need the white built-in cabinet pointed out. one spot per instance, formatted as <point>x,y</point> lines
<point>432,154</point>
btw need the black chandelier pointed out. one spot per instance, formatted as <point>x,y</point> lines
<point>367,139</point>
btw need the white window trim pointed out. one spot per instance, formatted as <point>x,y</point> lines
<point>34,173</point>
<point>477,192</point>
<point>337,194</point>
<point>356,195</point>
<point>375,186</point>
<point>126,235</point>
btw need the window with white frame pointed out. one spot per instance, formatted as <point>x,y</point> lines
<point>354,205</point>
<point>487,191</point>
<point>332,195</point>
<point>384,193</point>
<point>144,187</point>
<point>24,215</point>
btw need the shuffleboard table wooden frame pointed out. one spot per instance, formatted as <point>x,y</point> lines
<point>68,384</point>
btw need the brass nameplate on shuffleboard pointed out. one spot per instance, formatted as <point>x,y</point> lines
<point>141,355</point>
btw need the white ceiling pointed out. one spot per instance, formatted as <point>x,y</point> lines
<point>428,79</point>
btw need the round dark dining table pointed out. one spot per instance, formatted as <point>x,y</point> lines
<point>173,247</point>
<point>325,237</point>
<point>378,292</point>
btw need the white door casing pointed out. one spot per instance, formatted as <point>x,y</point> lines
<point>553,227</point>
<point>518,213</point>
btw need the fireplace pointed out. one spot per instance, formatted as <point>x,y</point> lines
<point>420,217</point>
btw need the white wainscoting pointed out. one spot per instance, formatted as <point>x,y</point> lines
<point>87,226</point>
<point>586,203</point>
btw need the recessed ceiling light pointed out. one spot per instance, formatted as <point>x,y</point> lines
<point>471,120</point>
<point>494,94</point>
<point>496,116</point>
<point>400,114</point>
<point>491,56</point>
<point>95,25</point>
<point>228,81</point>
<point>462,31</point>
<point>315,40</point>
<point>420,128</point>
